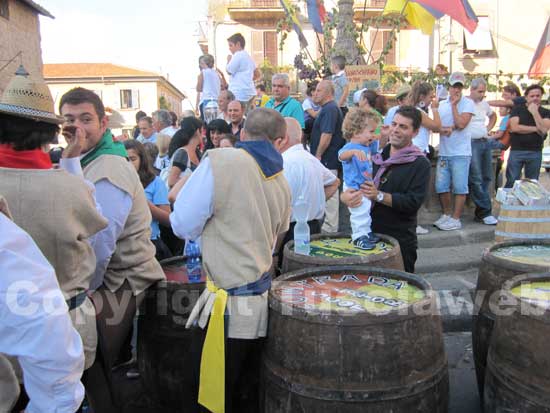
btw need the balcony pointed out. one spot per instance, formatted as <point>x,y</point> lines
<point>366,9</point>
<point>247,11</point>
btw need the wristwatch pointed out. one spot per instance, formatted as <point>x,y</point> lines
<point>379,196</point>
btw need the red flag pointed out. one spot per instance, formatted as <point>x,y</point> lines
<point>458,10</point>
<point>540,65</point>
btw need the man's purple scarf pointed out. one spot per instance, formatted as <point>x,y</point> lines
<point>406,155</point>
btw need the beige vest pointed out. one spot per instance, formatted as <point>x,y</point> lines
<point>237,242</point>
<point>58,211</point>
<point>134,256</point>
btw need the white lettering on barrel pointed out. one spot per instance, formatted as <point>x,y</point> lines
<point>321,279</point>
<point>350,277</point>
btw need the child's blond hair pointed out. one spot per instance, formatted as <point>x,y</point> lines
<point>163,141</point>
<point>356,121</point>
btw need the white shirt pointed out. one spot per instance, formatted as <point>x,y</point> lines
<point>210,85</point>
<point>478,124</point>
<point>422,138</point>
<point>459,143</point>
<point>241,68</point>
<point>388,119</point>
<point>307,177</point>
<point>35,325</point>
<point>169,130</point>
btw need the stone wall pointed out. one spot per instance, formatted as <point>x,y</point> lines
<point>19,33</point>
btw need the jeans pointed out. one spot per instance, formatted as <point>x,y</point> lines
<point>452,169</point>
<point>530,160</point>
<point>480,177</point>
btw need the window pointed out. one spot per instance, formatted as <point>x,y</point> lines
<point>129,99</point>
<point>264,47</point>
<point>4,9</point>
<point>480,40</point>
<point>378,40</point>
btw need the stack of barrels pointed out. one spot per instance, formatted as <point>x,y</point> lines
<point>511,327</point>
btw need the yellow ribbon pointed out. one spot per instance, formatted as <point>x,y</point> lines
<point>212,373</point>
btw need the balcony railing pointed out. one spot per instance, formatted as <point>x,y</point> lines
<point>254,4</point>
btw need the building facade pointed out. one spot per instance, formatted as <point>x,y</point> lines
<point>20,38</point>
<point>123,90</point>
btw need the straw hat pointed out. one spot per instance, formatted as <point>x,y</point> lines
<point>29,98</point>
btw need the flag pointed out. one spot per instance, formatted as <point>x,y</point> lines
<point>295,22</point>
<point>316,14</point>
<point>458,10</point>
<point>417,15</point>
<point>540,65</point>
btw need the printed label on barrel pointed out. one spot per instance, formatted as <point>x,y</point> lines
<point>537,293</point>
<point>343,247</point>
<point>525,254</point>
<point>344,293</point>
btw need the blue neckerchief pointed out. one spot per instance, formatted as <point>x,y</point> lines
<point>268,159</point>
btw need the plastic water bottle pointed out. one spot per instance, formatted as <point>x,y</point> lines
<point>193,263</point>
<point>301,229</point>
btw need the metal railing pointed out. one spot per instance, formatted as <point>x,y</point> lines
<point>260,4</point>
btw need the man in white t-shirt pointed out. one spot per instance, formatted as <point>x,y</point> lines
<point>243,71</point>
<point>455,153</point>
<point>307,177</point>
<point>481,172</point>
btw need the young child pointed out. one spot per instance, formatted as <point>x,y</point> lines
<point>163,142</point>
<point>359,130</point>
<point>341,84</point>
<point>155,192</point>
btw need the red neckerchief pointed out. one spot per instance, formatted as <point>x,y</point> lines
<point>33,159</point>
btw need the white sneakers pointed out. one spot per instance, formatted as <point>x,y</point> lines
<point>441,220</point>
<point>450,224</point>
<point>447,223</point>
<point>421,231</point>
<point>490,220</point>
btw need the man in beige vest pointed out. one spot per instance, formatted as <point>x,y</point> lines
<point>238,201</point>
<point>126,264</point>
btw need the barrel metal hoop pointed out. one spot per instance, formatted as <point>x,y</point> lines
<point>355,396</point>
<point>525,208</point>
<point>508,379</point>
<point>521,235</point>
<point>513,219</point>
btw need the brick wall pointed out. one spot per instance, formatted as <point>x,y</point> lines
<point>21,32</point>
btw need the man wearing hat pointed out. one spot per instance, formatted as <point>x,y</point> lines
<point>401,97</point>
<point>455,153</point>
<point>125,257</point>
<point>54,207</point>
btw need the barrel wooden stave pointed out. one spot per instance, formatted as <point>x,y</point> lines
<point>350,364</point>
<point>518,362</point>
<point>493,273</point>
<point>163,340</point>
<point>389,259</point>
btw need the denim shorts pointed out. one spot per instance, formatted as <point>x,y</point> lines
<point>452,169</point>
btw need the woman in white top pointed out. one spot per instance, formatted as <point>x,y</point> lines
<point>422,96</point>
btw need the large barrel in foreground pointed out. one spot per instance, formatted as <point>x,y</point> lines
<point>518,363</point>
<point>499,264</point>
<point>350,339</point>
<point>163,340</point>
<point>337,249</point>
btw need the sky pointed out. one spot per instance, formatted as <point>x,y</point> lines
<point>159,36</point>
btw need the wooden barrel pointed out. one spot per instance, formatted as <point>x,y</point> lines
<point>350,339</point>
<point>518,363</point>
<point>337,249</point>
<point>500,263</point>
<point>163,339</point>
<point>523,223</point>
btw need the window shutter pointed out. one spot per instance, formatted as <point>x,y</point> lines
<point>257,49</point>
<point>270,47</point>
<point>135,99</point>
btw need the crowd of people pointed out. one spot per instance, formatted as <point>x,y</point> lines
<point>92,228</point>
